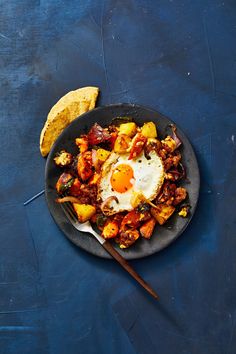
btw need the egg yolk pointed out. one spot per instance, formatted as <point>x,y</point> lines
<point>121,178</point>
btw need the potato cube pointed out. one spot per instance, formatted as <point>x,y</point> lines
<point>122,144</point>
<point>110,230</point>
<point>147,228</point>
<point>102,154</point>
<point>128,129</point>
<point>149,130</point>
<point>162,212</point>
<point>84,211</point>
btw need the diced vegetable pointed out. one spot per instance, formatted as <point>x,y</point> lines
<point>110,229</point>
<point>180,195</point>
<point>128,129</point>
<point>75,187</point>
<point>167,193</point>
<point>82,143</point>
<point>64,182</point>
<point>94,179</point>
<point>132,219</point>
<point>172,160</point>
<point>149,130</point>
<point>102,154</point>
<point>176,173</point>
<point>147,228</point>
<point>169,144</point>
<point>127,238</point>
<point>84,165</point>
<point>99,156</point>
<point>152,145</point>
<point>111,141</point>
<point>84,211</point>
<point>97,135</point>
<point>175,136</point>
<point>106,207</point>
<point>118,218</point>
<point>95,162</point>
<point>162,212</point>
<point>63,158</point>
<point>137,145</point>
<point>135,217</point>
<point>122,144</point>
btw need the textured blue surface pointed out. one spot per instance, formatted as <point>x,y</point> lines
<point>175,56</point>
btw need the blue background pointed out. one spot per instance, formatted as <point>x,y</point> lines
<point>178,57</point>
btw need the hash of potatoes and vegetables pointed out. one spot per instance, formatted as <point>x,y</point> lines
<point>106,194</point>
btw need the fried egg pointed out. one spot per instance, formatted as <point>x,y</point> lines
<point>121,178</point>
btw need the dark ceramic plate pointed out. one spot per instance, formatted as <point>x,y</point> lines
<point>163,235</point>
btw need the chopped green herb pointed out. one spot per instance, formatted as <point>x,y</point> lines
<point>67,185</point>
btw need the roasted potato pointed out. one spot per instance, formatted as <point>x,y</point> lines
<point>84,211</point>
<point>128,129</point>
<point>122,143</point>
<point>149,130</point>
<point>147,228</point>
<point>102,154</point>
<point>110,229</point>
<point>162,212</point>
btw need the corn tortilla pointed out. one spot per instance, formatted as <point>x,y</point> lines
<point>69,107</point>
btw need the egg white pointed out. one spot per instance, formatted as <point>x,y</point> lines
<point>148,179</point>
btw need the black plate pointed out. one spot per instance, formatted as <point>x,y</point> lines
<point>163,235</point>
